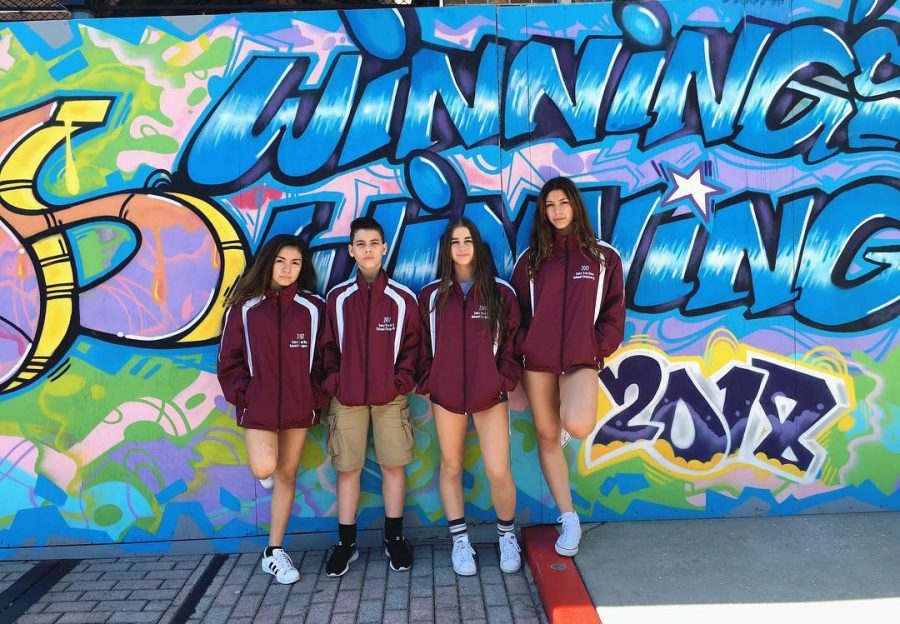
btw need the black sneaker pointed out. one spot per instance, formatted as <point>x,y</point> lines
<point>399,551</point>
<point>339,559</point>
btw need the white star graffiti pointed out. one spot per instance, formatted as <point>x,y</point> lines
<point>693,190</point>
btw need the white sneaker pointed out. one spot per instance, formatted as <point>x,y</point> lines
<point>281,567</point>
<point>570,535</point>
<point>564,437</point>
<point>510,559</point>
<point>463,557</point>
<point>268,482</point>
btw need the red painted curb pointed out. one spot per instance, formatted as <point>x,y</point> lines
<point>565,598</point>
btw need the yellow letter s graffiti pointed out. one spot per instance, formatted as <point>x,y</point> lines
<point>185,253</point>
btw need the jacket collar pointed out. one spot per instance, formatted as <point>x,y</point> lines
<point>457,291</point>
<point>283,294</point>
<point>560,239</point>
<point>377,286</point>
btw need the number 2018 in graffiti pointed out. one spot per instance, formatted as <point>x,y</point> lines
<point>765,411</point>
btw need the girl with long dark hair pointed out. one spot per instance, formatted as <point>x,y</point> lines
<point>468,365</point>
<point>571,296</point>
<point>270,369</point>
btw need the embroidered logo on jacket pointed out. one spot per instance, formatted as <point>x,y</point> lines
<point>584,272</point>
<point>300,342</point>
<point>387,325</point>
<point>480,313</point>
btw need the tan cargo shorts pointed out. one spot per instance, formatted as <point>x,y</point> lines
<point>348,434</point>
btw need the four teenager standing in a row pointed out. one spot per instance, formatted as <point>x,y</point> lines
<point>470,333</point>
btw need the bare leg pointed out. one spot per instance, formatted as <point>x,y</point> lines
<point>543,395</point>
<point>290,446</point>
<point>578,402</point>
<point>493,437</point>
<point>391,425</point>
<point>348,495</point>
<point>451,432</point>
<point>262,452</point>
<point>393,490</point>
<point>350,426</point>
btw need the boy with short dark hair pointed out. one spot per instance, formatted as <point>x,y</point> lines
<point>370,357</point>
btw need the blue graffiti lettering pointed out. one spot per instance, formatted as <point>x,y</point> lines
<point>718,85</point>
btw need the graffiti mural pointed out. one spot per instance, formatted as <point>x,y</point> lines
<point>741,156</point>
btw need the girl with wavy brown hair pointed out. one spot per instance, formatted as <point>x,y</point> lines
<point>571,295</point>
<point>270,369</point>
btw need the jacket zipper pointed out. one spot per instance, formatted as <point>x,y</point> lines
<point>465,376</point>
<point>368,339</point>
<point>562,324</point>
<point>280,367</point>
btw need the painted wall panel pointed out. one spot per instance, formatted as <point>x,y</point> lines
<point>741,156</point>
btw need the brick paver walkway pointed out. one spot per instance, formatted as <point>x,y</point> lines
<point>151,589</point>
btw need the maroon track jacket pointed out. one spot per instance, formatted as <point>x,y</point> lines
<point>460,364</point>
<point>270,365</point>
<point>371,341</point>
<point>573,311</point>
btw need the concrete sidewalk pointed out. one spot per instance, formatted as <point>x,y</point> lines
<point>219,589</point>
<point>745,569</point>
<point>698,571</point>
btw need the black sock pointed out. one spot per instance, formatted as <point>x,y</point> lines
<point>393,528</point>
<point>270,550</point>
<point>347,534</point>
